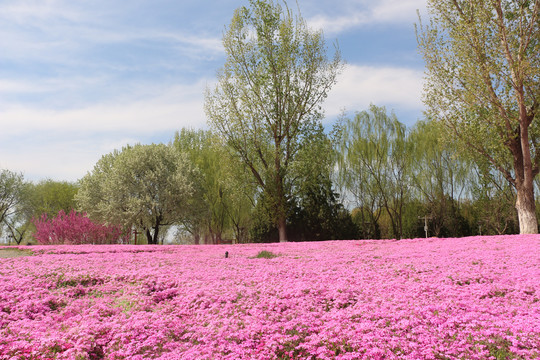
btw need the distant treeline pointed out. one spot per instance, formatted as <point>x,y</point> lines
<point>369,178</point>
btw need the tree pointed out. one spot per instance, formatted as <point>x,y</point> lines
<point>11,185</point>
<point>483,84</point>
<point>227,194</point>
<point>373,164</point>
<point>12,204</point>
<point>439,177</point>
<point>318,213</point>
<point>315,211</point>
<point>50,196</point>
<point>269,94</point>
<point>493,197</point>
<point>145,186</point>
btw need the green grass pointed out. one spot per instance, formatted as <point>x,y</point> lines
<point>265,255</point>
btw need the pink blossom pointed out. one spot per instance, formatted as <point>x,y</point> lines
<point>470,298</point>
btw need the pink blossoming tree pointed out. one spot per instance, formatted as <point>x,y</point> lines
<point>74,229</point>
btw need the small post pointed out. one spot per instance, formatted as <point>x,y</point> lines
<point>425,218</point>
<point>226,254</point>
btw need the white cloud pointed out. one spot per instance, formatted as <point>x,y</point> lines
<point>64,144</point>
<point>358,86</point>
<point>177,106</point>
<point>369,12</point>
<point>65,159</point>
<point>23,11</point>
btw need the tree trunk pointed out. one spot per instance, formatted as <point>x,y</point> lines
<point>156,233</point>
<point>525,205</point>
<point>282,229</point>
<point>148,236</point>
<point>526,209</point>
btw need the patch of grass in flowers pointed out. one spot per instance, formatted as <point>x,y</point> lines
<point>84,280</point>
<point>499,348</point>
<point>125,304</point>
<point>55,304</point>
<point>494,293</point>
<point>9,252</point>
<point>291,347</point>
<point>264,254</point>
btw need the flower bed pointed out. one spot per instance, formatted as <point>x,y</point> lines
<point>471,298</point>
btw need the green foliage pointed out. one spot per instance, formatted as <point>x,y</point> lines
<point>314,210</point>
<point>11,188</point>
<point>493,211</point>
<point>49,197</point>
<point>143,186</point>
<point>227,189</point>
<point>440,178</point>
<point>319,215</point>
<point>373,164</point>
<point>269,93</point>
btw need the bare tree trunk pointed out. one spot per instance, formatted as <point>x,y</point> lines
<point>525,205</point>
<point>282,229</point>
<point>526,209</point>
<point>281,204</point>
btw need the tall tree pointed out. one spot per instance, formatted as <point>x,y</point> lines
<point>269,94</point>
<point>483,83</point>
<point>11,185</point>
<point>146,186</point>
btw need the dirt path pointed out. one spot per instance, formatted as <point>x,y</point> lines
<point>12,253</point>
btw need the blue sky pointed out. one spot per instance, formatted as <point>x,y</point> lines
<point>81,78</point>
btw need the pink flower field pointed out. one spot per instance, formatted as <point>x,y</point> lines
<point>470,298</point>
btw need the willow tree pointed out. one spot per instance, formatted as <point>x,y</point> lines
<point>227,190</point>
<point>373,164</point>
<point>269,94</point>
<point>483,83</point>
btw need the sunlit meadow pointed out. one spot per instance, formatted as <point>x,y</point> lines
<point>470,298</point>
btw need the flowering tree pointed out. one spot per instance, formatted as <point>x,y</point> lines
<point>147,187</point>
<point>74,229</point>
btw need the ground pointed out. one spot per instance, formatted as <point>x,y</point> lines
<point>471,298</point>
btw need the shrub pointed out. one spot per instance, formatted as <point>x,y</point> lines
<point>73,229</point>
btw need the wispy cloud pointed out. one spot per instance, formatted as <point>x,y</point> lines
<point>65,143</point>
<point>176,106</point>
<point>367,12</point>
<point>60,31</point>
